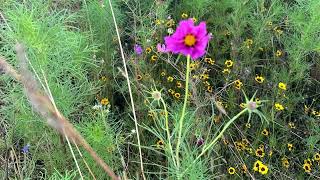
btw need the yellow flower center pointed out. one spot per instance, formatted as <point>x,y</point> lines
<point>190,40</point>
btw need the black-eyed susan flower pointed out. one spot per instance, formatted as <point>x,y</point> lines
<point>104,101</point>
<point>228,63</point>
<point>259,79</point>
<point>290,146</point>
<point>261,146</point>
<point>258,101</point>
<point>170,23</point>
<point>193,66</point>
<point>160,144</point>
<point>148,50</point>
<point>204,76</point>
<point>248,125</point>
<point>316,157</point>
<point>158,22</point>
<point>291,125</point>
<point>263,169</point>
<point>154,58</point>
<point>282,86</point>
<point>250,150</point>
<point>278,53</point>
<point>103,78</point>
<point>171,91</point>
<point>163,73</point>
<point>226,71</point>
<point>278,30</point>
<point>306,109</point>
<point>239,145</point>
<point>248,42</point>
<point>216,119</point>
<point>184,15</point>
<point>245,142</point>
<point>242,105</point>
<point>206,83</point>
<point>139,77</point>
<point>231,170</point>
<point>285,162</point>
<point>209,60</point>
<point>177,95</point>
<point>265,132</point>
<point>269,23</point>
<point>163,113</point>
<point>179,84</point>
<point>225,141</point>
<point>307,167</point>
<point>238,84</point>
<point>194,19</point>
<point>244,168</point>
<point>210,89</point>
<point>279,107</point>
<point>308,161</point>
<point>170,79</point>
<point>152,114</point>
<point>256,165</point>
<point>226,33</point>
<point>260,152</point>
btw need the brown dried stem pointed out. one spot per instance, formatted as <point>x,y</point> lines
<point>46,108</point>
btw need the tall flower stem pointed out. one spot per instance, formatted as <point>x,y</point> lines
<point>168,131</point>
<point>183,111</point>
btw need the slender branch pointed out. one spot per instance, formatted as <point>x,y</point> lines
<point>129,89</point>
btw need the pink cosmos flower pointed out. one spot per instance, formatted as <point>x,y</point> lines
<point>188,39</point>
<point>161,48</point>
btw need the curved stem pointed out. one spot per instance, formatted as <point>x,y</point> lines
<point>168,131</point>
<point>183,111</point>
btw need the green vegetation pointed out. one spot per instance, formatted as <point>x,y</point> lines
<point>267,50</point>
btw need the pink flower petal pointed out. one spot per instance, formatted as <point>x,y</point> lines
<point>175,42</point>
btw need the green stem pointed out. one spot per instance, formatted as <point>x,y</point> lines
<point>168,131</point>
<point>205,149</point>
<point>183,111</point>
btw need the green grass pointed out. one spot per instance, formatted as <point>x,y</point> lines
<point>72,44</point>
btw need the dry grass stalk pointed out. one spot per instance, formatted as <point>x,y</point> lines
<point>45,107</point>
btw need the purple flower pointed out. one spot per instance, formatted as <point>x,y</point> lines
<point>188,39</point>
<point>161,48</point>
<point>138,49</point>
<point>25,148</point>
<point>200,141</point>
